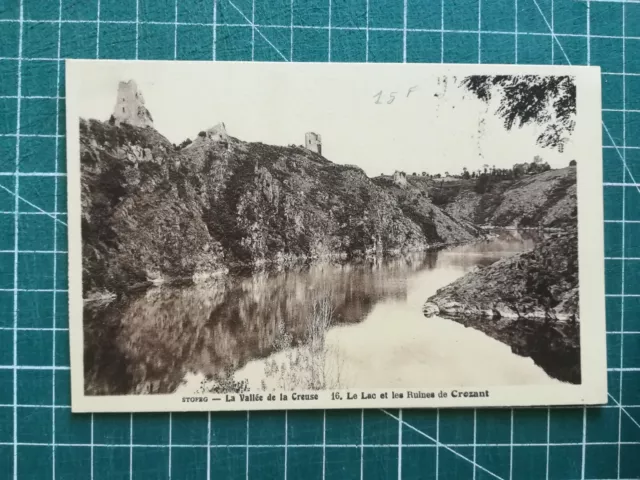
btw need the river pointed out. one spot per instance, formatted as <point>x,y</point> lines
<point>266,330</point>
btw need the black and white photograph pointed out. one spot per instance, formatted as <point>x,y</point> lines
<point>269,236</point>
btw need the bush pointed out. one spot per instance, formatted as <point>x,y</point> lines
<point>439,198</point>
<point>184,144</point>
<point>202,134</point>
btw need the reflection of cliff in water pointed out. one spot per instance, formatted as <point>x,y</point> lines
<point>553,346</point>
<point>148,342</point>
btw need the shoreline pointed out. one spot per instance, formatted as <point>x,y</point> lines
<point>280,263</point>
<point>273,265</point>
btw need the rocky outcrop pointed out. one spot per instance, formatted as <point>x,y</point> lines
<point>539,284</point>
<point>154,212</point>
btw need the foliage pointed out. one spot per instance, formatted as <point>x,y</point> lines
<point>482,184</point>
<point>308,366</point>
<point>527,99</point>
<point>202,134</point>
<point>223,382</point>
<point>441,196</point>
<point>538,165</point>
<point>184,144</point>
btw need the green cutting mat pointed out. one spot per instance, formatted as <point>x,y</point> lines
<point>40,438</point>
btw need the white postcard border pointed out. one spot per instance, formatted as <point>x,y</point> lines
<point>588,137</point>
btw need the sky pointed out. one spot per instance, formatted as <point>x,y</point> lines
<point>428,127</point>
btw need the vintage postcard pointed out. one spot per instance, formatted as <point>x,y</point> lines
<point>300,236</point>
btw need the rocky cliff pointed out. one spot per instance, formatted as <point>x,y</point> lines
<point>153,211</point>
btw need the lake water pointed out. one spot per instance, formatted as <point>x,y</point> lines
<point>259,330</point>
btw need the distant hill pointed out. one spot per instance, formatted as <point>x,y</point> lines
<point>152,211</point>
<point>546,199</point>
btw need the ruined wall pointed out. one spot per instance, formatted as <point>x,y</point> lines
<point>313,142</point>
<point>217,133</point>
<point>400,178</point>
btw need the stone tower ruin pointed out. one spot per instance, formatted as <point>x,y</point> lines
<point>400,178</point>
<point>313,142</point>
<point>130,107</point>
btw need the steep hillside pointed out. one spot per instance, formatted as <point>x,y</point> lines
<point>416,205</point>
<point>154,211</point>
<point>545,199</point>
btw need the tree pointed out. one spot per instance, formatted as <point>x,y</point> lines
<point>424,174</point>
<point>202,134</point>
<point>527,99</point>
<point>465,173</point>
<point>518,169</point>
<point>184,144</point>
<point>573,163</point>
<point>482,184</point>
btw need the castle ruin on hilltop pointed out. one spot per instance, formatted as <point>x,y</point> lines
<point>313,142</point>
<point>217,133</point>
<point>130,107</point>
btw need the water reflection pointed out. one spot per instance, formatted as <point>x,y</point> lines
<point>149,342</point>
<point>554,346</point>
